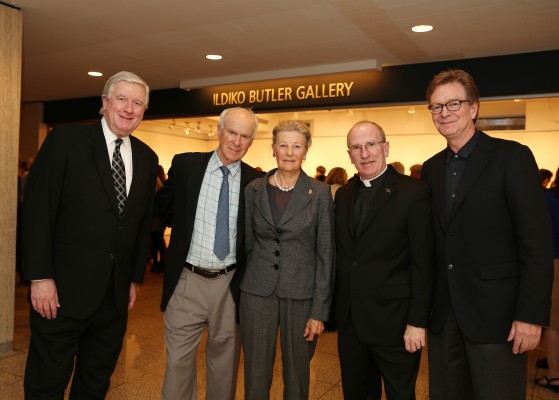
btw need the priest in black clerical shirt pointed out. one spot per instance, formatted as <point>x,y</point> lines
<point>384,271</point>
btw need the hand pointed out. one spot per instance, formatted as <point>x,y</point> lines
<point>414,338</point>
<point>526,336</point>
<point>134,289</point>
<point>44,298</point>
<point>312,328</point>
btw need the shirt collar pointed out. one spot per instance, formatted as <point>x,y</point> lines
<point>110,137</point>
<point>215,163</point>
<point>368,182</point>
<point>466,150</point>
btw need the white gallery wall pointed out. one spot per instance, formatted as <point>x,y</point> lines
<point>412,136</point>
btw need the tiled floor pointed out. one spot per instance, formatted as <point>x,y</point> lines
<point>140,369</point>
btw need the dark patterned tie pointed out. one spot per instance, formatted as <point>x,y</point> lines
<point>221,243</point>
<point>119,177</point>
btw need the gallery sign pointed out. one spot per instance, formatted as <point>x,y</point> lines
<point>315,91</point>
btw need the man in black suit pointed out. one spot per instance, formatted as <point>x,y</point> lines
<point>201,288</point>
<point>493,248</point>
<point>86,223</point>
<point>384,271</point>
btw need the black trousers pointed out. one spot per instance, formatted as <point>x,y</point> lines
<point>460,369</point>
<point>365,367</point>
<point>58,345</point>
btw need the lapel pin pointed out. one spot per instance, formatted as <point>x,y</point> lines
<point>388,190</point>
<point>310,191</point>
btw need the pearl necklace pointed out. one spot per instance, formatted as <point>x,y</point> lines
<point>283,189</point>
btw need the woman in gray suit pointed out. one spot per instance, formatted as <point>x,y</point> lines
<point>289,272</point>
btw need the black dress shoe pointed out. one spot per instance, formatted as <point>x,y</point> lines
<point>542,363</point>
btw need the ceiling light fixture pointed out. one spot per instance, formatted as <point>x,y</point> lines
<point>214,57</point>
<point>422,28</point>
<point>94,73</point>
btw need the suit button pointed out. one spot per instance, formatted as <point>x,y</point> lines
<point>450,266</point>
<point>111,256</point>
<point>279,230</point>
<point>276,240</point>
<point>119,227</point>
<point>354,264</point>
<point>275,266</point>
<point>277,253</point>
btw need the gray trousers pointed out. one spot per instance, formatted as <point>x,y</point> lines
<point>260,318</point>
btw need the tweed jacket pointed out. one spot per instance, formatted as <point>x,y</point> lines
<point>295,258</point>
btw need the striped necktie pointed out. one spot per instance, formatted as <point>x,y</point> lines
<point>119,177</point>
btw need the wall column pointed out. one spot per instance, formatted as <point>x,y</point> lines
<point>11,36</point>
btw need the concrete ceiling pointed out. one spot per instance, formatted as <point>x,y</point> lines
<point>165,41</point>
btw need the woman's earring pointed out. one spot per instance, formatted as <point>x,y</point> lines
<point>273,154</point>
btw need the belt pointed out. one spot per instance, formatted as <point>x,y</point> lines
<point>208,273</point>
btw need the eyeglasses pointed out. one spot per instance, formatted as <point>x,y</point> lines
<point>356,148</point>
<point>453,105</point>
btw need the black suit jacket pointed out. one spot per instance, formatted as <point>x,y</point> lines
<point>71,228</point>
<point>384,273</point>
<point>179,196</point>
<point>494,255</point>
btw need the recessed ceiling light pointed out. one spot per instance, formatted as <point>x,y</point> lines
<point>214,57</point>
<point>422,28</point>
<point>94,73</point>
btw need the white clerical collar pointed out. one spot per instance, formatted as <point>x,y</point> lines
<point>367,182</point>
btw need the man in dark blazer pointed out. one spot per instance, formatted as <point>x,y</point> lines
<point>201,289</point>
<point>384,271</point>
<point>493,249</point>
<point>84,250</point>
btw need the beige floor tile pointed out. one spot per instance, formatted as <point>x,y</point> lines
<point>141,366</point>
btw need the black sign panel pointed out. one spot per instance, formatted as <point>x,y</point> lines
<point>315,91</point>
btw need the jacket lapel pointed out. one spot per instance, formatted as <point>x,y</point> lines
<point>437,186</point>
<point>261,201</point>
<point>103,163</point>
<point>139,172</point>
<point>302,194</point>
<point>349,209</point>
<point>245,179</point>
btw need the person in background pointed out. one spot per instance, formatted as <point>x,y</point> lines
<point>289,272</point>
<point>399,167</point>
<point>206,259</point>
<point>86,222</point>
<point>546,176</point>
<point>337,177</point>
<point>158,225</point>
<point>384,272</point>
<point>494,249</point>
<point>320,173</point>
<point>551,333</point>
<point>415,171</point>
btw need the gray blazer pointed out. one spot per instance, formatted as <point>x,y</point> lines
<point>295,258</point>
